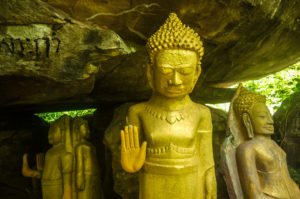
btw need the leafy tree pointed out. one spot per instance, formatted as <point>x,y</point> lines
<point>276,87</point>
<point>52,116</point>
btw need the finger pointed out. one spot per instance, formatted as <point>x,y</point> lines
<point>142,155</point>
<point>25,156</point>
<point>136,137</point>
<point>131,136</point>
<point>123,147</point>
<point>25,160</point>
<point>127,143</point>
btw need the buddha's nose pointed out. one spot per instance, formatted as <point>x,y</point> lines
<point>175,80</point>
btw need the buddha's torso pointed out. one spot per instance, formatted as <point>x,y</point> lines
<point>171,136</point>
<point>52,182</point>
<point>89,157</point>
<point>272,170</point>
<point>53,164</point>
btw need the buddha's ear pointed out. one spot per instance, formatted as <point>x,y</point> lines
<point>248,124</point>
<point>150,75</point>
<point>197,72</point>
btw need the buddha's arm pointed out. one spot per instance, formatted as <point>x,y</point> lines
<point>80,178</point>
<point>67,168</point>
<point>27,171</point>
<point>206,155</point>
<point>249,179</point>
<point>132,155</point>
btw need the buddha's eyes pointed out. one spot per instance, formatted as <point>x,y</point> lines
<point>185,70</point>
<point>165,70</point>
<point>169,70</point>
<point>262,116</point>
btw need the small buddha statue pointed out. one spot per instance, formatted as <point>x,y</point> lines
<point>56,174</point>
<point>175,158</point>
<point>261,163</point>
<point>87,173</point>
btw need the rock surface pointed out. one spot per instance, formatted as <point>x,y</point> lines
<point>45,55</point>
<point>80,58</point>
<point>19,134</point>
<point>287,125</point>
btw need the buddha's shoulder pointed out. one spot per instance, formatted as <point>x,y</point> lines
<point>201,109</point>
<point>137,108</point>
<point>249,146</point>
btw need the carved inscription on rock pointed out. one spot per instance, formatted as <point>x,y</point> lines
<point>30,48</point>
<point>30,42</point>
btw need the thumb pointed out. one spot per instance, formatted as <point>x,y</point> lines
<point>141,157</point>
<point>143,148</point>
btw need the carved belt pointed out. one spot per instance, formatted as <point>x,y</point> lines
<point>171,147</point>
<point>150,167</point>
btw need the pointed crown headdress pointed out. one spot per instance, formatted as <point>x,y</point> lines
<point>173,34</point>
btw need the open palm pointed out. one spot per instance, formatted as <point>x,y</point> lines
<point>132,155</point>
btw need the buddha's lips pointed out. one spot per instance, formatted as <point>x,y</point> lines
<point>270,128</point>
<point>175,89</point>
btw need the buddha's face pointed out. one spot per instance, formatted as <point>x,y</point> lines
<point>84,131</point>
<point>261,119</point>
<point>175,72</point>
<point>54,135</point>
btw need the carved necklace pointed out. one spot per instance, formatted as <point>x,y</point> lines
<point>170,116</point>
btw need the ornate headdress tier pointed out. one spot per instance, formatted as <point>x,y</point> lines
<point>246,99</point>
<point>173,34</point>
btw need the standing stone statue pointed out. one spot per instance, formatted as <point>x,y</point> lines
<point>87,173</point>
<point>56,174</point>
<point>175,159</point>
<point>260,170</point>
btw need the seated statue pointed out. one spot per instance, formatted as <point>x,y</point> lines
<point>175,159</point>
<point>87,173</point>
<point>56,172</point>
<point>260,163</point>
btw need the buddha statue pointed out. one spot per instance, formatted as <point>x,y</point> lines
<point>56,171</point>
<point>261,164</point>
<point>87,173</point>
<point>175,158</point>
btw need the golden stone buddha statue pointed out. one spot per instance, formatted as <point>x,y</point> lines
<point>87,173</point>
<point>175,159</point>
<point>261,163</point>
<point>56,172</point>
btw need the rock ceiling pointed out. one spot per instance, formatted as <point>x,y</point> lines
<point>92,51</point>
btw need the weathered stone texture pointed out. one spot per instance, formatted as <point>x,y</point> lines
<point>78,42</point>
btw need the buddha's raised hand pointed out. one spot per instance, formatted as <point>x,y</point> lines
<point>132,155</point>
<point>27,171</point>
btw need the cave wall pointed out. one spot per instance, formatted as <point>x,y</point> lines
<point>92,51</point>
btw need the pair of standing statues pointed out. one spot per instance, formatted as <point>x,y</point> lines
<point>168,139</point>
<point>70,169</point>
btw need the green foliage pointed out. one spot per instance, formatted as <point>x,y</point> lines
<point>295,174</point>
<point>278,86</point>
<point>52,116</point>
